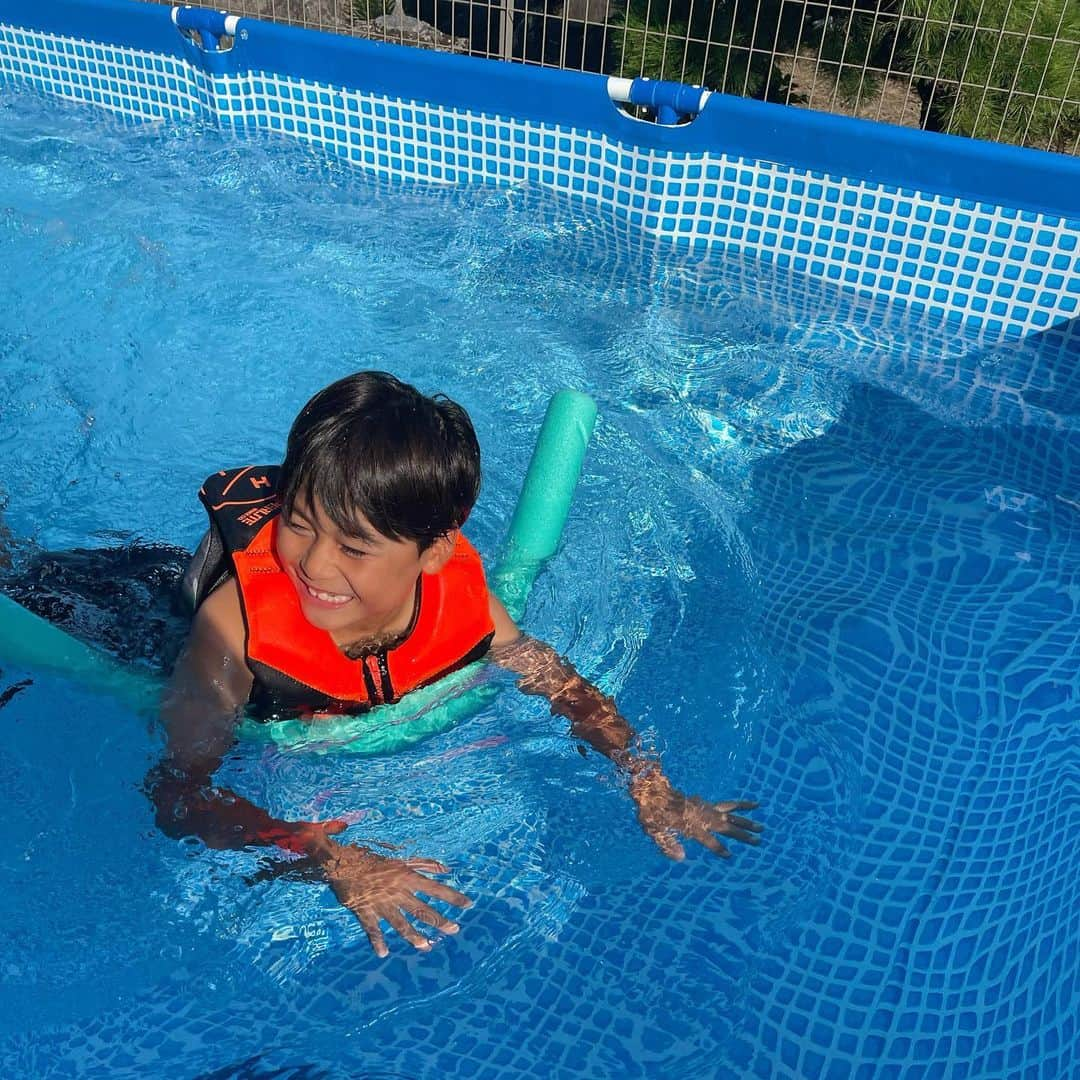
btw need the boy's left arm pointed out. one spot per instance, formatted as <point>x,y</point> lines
<point>665,813</point>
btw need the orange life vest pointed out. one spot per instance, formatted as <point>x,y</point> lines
<point>300,668</point>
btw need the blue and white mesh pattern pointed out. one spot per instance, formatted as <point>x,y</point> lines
<point>134,84</point>
<point>1004,270</point>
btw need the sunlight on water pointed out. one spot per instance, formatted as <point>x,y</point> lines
<point>822,554</point>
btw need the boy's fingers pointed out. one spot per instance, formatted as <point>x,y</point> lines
<point>444,892</point>
<point>666,842</point>
<point>736,827</point>
<point>732,825</point>
<point>407,930</point>
<point>427,866</point>
<point>370,924</point>
<point>715,846</point>
<point>745,823</point>
<point>426,913</point>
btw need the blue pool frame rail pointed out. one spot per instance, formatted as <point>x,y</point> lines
<point>211,26</point>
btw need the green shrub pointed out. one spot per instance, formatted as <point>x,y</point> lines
<point>1008,80</point>
<point>696,49</point>
<point>1014,79</point>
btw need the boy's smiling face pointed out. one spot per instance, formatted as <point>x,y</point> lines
<point>354,586</point>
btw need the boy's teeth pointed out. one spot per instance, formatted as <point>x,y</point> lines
<point>330,598</point>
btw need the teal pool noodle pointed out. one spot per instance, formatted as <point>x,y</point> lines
<point>546,494</point>
<point>535,531</point>
<point>29,640</point>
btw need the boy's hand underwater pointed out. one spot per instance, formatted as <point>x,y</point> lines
<point>375,887</point>
<point>666,813</point>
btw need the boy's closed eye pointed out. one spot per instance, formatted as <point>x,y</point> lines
<point>298,524</point>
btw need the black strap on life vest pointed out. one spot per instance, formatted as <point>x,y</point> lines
<point>238,502</point>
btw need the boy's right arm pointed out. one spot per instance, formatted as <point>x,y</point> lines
<point>201,708</point>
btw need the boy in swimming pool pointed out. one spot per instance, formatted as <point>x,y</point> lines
<point>339,581</point>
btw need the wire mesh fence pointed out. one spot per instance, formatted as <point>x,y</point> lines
<point>1004,70</point>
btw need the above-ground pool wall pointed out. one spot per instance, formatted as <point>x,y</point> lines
<point>967,231</point>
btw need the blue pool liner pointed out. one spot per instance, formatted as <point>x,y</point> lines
<point>969,231</point>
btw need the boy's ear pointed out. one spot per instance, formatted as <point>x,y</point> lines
<point>438,555</point>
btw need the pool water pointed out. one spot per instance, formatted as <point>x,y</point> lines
<point>825,556</point>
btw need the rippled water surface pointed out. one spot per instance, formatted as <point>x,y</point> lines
<point>823,555</point>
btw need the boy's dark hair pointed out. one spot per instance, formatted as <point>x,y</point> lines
<point>372,444</point>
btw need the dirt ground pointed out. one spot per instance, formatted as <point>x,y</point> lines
<point>892,101</point>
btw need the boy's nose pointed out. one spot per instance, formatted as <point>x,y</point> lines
<point>317,562</point>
